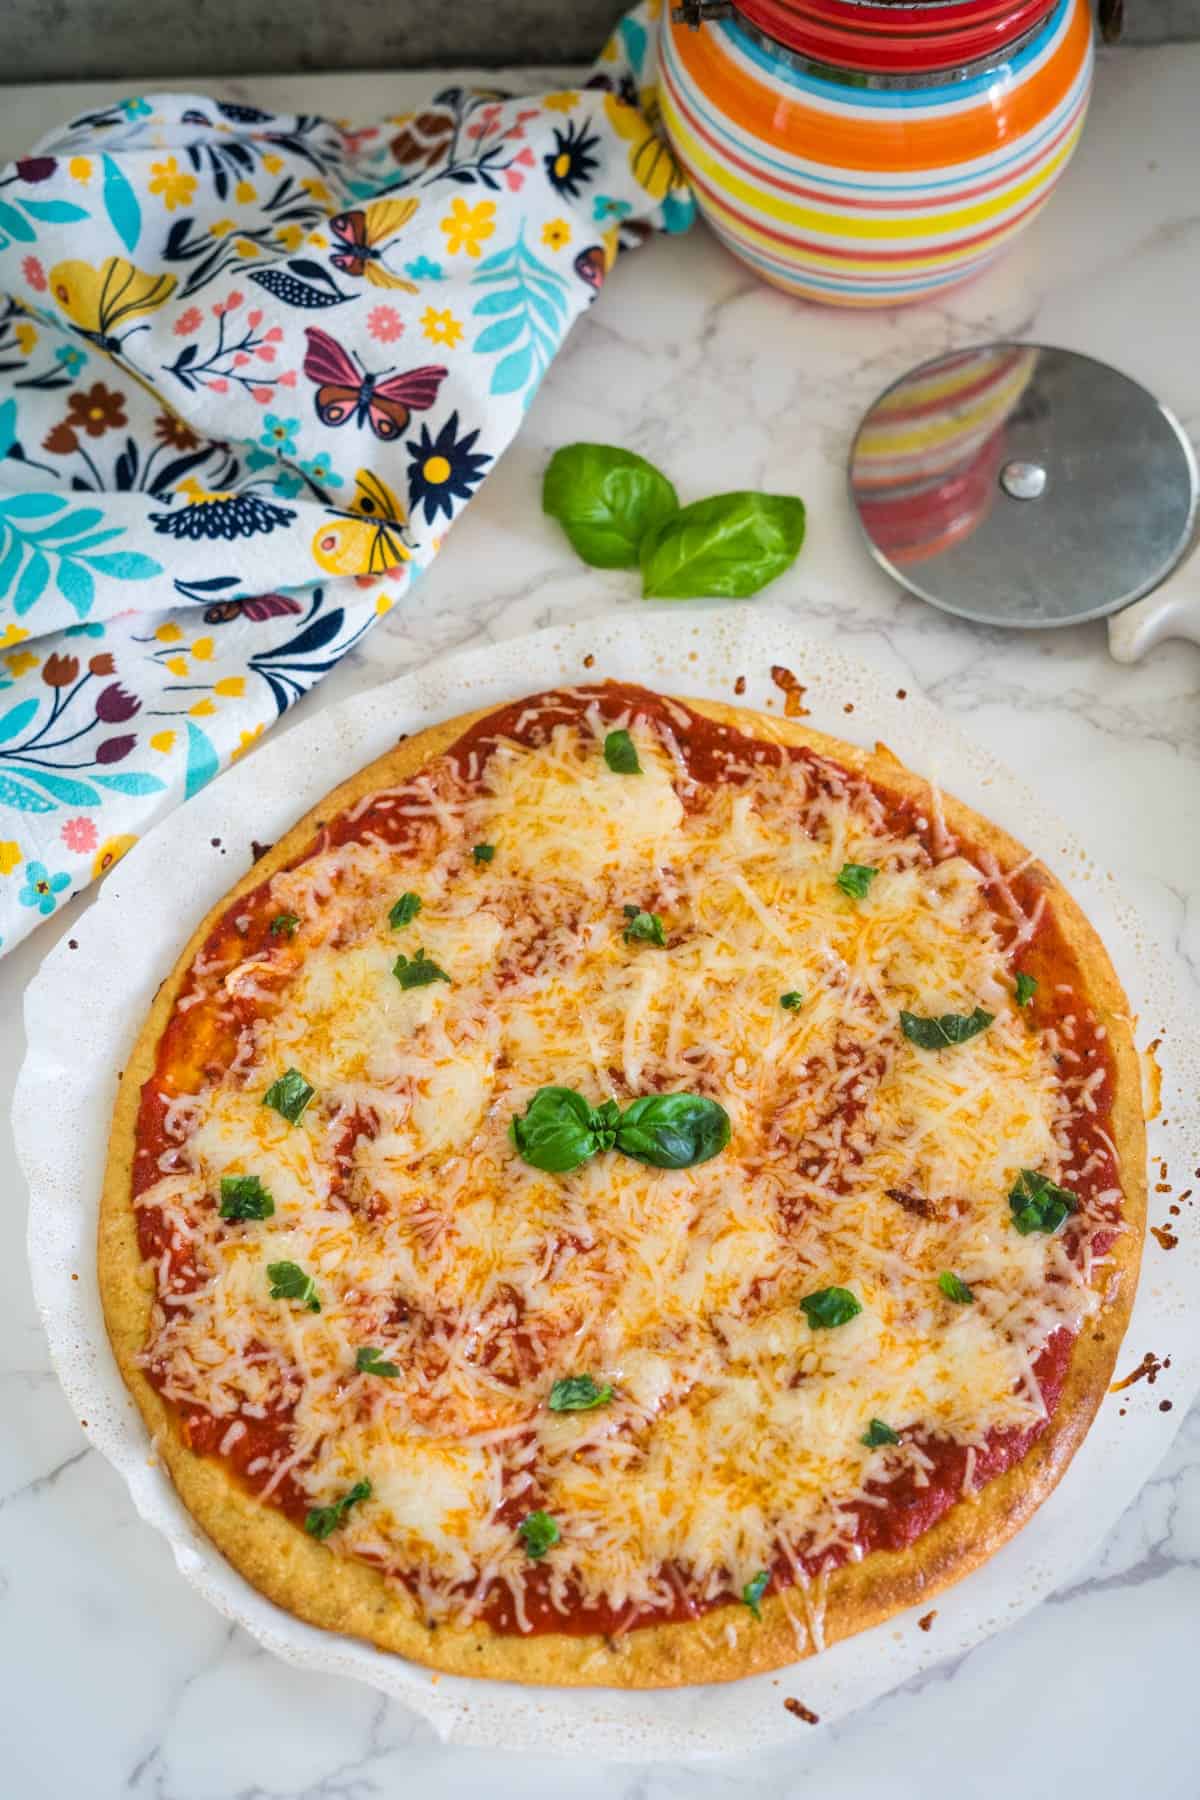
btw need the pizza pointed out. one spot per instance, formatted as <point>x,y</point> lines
<point>629,1191</point>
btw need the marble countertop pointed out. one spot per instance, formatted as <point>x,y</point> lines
<point>119,1678</point>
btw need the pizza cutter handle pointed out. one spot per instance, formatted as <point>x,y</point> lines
<point>1171,611</point>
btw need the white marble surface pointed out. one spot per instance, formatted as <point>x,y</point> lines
<point>118,1678</point>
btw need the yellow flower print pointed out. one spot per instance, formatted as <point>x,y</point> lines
<point>244,192</point>
<point>556,234</point>
<point>319,239</point>
<point>466,227</point>
<point>222,228</point>
<point>178,665</point>
<point>203,648</point>
<point>169,633</point>
<point>20,663</point>
<point>650,160</point>
<point>383,604</point>
<point>26,336</point>
<point>291,237</point>
<point>173,184</point>
<point>441,327</point>
<point>162,741</point>
<point>230,687</point>
<point>203,709</point>
<point>111,851</point>
<point>10,856</point>
<point>248,738</point>
<point>272,164</point>
<point>80,168</point>
<point>561,103</point>
<point>245,247</point>
<point>12,634</point>
<point>317,189</point>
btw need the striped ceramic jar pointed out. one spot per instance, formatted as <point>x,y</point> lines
<point>878,179</point>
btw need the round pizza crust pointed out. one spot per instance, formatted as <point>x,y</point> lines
<point>301,1575</point>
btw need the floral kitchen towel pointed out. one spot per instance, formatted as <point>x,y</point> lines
<point>251,368</point>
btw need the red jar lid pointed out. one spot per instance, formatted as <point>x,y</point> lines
<point>895,36</point>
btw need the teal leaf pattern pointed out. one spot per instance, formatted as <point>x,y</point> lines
<point>121,204</point>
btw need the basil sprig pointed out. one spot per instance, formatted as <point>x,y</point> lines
<point>830,1307</point>
<point>323,1521</point>
<point>483,853</point>
<point>1026,987</point>
<point>951,1028</point>
<point>245,1197</point>
<point>405,910</point>
<point>955,1288</point>
<point>753,1592</point>
<point>560,1129</point>
<point>643,927</point>
<point>579,1393</point>
<point>606,500</point>
<point>791,1001</point>
<point>877,1433</point>
<point>369,1361</point>
<point>855,879</point>
<point>289,1282</point>
<point>289,1095</point>
<point>620,753</point>
<point>420,971</point>
<point>537,1532</point>
<point>1039,1204</point>
<point>728,546</point>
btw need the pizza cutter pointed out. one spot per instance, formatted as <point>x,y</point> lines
<point>1018,484</point>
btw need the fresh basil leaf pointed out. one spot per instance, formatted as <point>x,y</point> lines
<point>753,1592</point>
<point>323,1521</point>
<point>830,1307</point>
<point>1039,1204</point>
<point>420,972</point>
<point>606,500</point>
<point>537,1532</point>
<point>855,879</point>
<point>791,1002</point>
<point>673,1131</point>
<point>1026,988</point>
<point>643,927</point>
<point>878,1433</point>
<point>284,924</point>
<point>405,910</point>
<point>483,853</point>
<point>951,1028</point>
<point>955,1289</point>
<point>289,1095</point>
<point>620,753</point>
<point>559,1130</point>
<point>730,546</point>
<point>578,1393</point>
<point>289,1282</point>
<point>245,1197</point>
<point>369,1361</point>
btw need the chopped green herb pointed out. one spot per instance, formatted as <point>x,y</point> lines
<point>245,1197</point>
<point>369,1361</point>
<point>1026,988</point>
<point>289,1095</point>
<point>405,910</point>
<point>955,1289</point>
<point>829,1307</point>
<point>578,1393</point>
<point>878,1433</point>
<point>620,753</point>
<point>289,1282</point>
<point>420,972</point>
<point>643,927</point>
<point>483,853</point>
<point>792,1001</point>
<point>322,1521</point>
<point>284,924</point>
<point>753,1592</point>
<point>537,1532</point>
<point>1039,1204</point>
<point>855,879</point>
<point>951,1028</point>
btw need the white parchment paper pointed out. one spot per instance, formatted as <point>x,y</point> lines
<point>84,1009</point>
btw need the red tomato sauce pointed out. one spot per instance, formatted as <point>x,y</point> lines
<point>197,1044</point>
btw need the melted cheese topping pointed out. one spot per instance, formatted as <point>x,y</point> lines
<point>734,1436</point>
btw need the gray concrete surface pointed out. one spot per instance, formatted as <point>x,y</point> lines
<point>128,40</point>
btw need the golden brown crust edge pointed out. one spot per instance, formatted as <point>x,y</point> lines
<point>302,1576</point>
